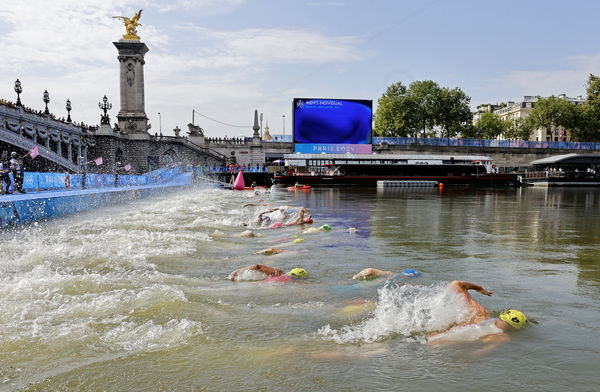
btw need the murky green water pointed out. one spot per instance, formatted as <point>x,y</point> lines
<point>135,297</point>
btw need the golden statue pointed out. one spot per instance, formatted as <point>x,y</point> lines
<point>130,25</point>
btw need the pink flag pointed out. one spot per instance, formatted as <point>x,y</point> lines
<point>34,152</point>
<point>127,167</point>
<point>98,161</point>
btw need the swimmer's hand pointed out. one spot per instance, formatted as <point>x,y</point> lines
<point>486,292</point>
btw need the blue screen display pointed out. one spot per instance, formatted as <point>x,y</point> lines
<point>332,121</point>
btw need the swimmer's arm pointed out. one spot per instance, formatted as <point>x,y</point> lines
<point>369,273</point>
<point>463,287</point>
<point>491,341</point>
<point>269,251</point>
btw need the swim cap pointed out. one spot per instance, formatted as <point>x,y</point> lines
<point>411,272</point>
<point>277,224</point>
<point>308,220</point>
<point>298,240</point>
<point>326,227</point>
<point>298,273</point>
<point>514,318</point>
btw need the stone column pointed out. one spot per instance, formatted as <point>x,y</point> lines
<point>132,115</point>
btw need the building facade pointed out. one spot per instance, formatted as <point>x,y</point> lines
<point>521,110</point>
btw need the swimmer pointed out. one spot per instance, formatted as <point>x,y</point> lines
<point>480,327</point>
<point>275,275</point>
<point>248,233</point>
<point>373,273</point>
<point>296,273</point>
<point>303,217</point>
<point>269,271</point>
<point>269,251</point>
<point>324,227</point>
<point>283,213</point>
<point>352,230</point>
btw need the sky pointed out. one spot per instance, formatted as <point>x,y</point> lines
<point>219,60</point>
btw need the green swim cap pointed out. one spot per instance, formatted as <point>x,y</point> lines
<point>298,240</point>
<point>298,273</point>
<point>514,318</point>
<point>326,227</point>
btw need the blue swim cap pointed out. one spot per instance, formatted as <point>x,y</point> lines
<point>411,272</point>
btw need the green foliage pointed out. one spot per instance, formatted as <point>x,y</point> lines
<point>491,126</point>
<point>518,129</point>
<point>422,109</point>
<point>587,127</point>
<point>553,111</point>
<point>390,118</point>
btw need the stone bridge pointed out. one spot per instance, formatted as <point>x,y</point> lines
<point>59,143</point>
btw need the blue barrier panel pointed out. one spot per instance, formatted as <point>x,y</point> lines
<point>30,181</point>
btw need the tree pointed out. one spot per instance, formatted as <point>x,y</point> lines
<point>423,108</point>
<point>392,110</point>
<point>424,97</point>
<point>553,111</point>
<point>491,126</point>
<point>587,127</point>
<point>453,111</point>
<point>517,129</point>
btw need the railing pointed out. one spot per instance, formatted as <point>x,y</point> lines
<point>205,150</point>
<point>225,169</point>
<point>561,174</point>
<point>409,141</point>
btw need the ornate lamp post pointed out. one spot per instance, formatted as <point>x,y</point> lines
<point>68,107</point>
<point>18,90</point>
<point>46,100</point>
<point>160,124</point>
<point>105,105</point>
<point>284,126</point>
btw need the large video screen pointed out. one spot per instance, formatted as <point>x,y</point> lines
<point>332,125</point>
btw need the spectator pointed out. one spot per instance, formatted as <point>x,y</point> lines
<point>4,177</point>
<point>16,165</point>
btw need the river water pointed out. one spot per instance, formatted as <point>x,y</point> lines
<point>135,297</point>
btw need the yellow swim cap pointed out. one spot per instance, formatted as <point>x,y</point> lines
<point>514,318</point>
<point>298,240</point>
<point>298,273</point>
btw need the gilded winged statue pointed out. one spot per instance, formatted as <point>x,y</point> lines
<point>130,25</point>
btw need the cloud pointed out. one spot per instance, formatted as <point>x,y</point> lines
<point>65,46</point>
<point>569,75</point>
<point>206,7</point>
<point>288,46</point>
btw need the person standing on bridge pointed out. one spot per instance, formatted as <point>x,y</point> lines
<point>82,171</point>
<point>16,165</point>
<point>4,177</point>
<point>116,173</point>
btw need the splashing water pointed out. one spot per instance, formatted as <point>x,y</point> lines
<point>404,310</point>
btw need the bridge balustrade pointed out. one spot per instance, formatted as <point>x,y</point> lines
<point>430,141</point>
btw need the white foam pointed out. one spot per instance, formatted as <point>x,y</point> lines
<point>404,310</point>
<point>251,275</point>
